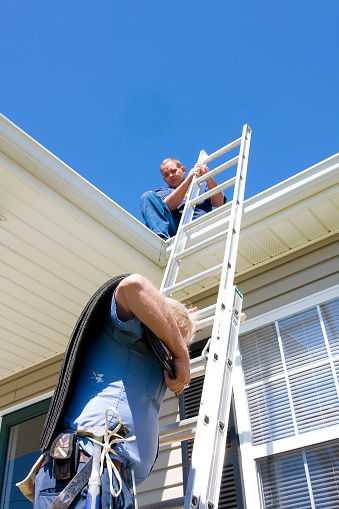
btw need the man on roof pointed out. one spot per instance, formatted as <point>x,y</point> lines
<point>163,208</point>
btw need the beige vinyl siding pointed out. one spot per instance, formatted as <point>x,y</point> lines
<point>30,383</point>
<point>300,275</point>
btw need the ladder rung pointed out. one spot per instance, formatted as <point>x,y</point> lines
<point>205,322</point>
<point>221,151</point>
<point>193,279</point>
<point>178,431</point>
<point>174,503</point>
<point>217,170</point>
<point>210,215</point>
<point>204,243</point>
<point>195,363</point>
<point>199,370</point>
<point>212,192</point>
<point>205,312</point>
<point>197,367</point>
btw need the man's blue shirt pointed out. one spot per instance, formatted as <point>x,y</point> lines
<point>201,208</point>
<point>120,371</point>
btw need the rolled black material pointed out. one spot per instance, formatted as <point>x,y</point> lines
<point>91,317</point>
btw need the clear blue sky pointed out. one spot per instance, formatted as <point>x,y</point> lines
<point>112,88</point>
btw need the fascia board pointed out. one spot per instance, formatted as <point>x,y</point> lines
<point>299,188</point>
<point>45,166</point>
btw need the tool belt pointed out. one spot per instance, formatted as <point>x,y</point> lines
<point>65,455</point>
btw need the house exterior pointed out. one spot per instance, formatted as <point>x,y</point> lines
<point>61,239</point>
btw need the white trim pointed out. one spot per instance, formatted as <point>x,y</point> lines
<point>290,309</point>
<point>294,189</point>
<point>248,465</point>
<point>25,404</point>
<point>287,381</point>
<point>328,349</point>
<point>308,479</point>
<point>249,453</point>
<point>307,439</point>
<point>18,146</point>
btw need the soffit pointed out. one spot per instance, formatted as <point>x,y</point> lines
<point>296,214</point>
<point>53,257</point>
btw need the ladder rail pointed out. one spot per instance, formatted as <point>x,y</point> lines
<point>172,268</point>
<point>207,464</point>
<point>210,426</point>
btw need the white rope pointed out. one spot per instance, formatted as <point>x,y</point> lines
<point>110,439</point>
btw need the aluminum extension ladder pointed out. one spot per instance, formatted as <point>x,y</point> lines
<point>210,428</point>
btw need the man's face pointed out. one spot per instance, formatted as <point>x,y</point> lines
<point>172,174</point>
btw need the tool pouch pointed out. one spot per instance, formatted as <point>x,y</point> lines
<point>65,454</point>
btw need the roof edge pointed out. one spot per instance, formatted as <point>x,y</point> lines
<point>45,166</point>
<point>292,190</point>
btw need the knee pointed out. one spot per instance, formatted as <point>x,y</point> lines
<point>148,196</point>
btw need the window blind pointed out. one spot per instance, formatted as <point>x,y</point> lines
<point>299,479</point>
<point>289,375</point>
<point>302,339</point>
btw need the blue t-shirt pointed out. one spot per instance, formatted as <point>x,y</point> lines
<point>119,370</point>
<point>201,208</point>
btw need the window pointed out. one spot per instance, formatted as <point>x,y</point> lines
<point>304,478</point>
<point>290,370</point>
<point>19,449</point>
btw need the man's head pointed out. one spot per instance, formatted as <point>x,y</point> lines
<point>172,172</point>
<point>184,318</point>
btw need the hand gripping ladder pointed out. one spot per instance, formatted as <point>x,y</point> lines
<point>193,239</point>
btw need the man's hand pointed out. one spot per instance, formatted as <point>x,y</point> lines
<point>194,172</point>
<point>218,199</point>
<point>136,296</point>
<point>182,375</point>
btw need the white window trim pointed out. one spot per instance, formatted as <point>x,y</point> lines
<point>249,453</point>
<point>25,404</point>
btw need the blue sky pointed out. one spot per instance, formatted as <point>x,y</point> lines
<point>112,88</point>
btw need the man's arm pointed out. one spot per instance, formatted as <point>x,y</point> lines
<point>136,296</point>
<point>174,199</point>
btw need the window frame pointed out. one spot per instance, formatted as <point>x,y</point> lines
<point>250,453</point>
<point>12,417</point>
